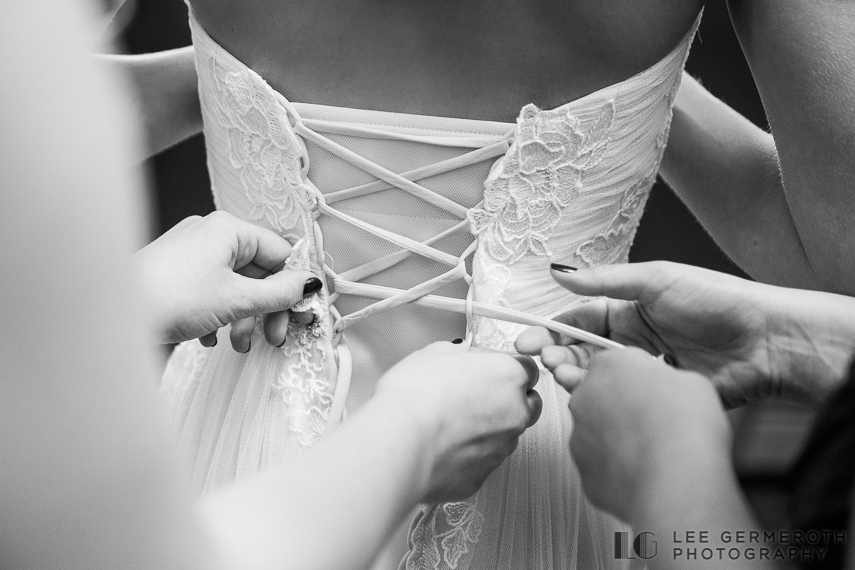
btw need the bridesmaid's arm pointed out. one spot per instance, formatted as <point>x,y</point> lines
<point>89,478</point>
<point>165,95</point>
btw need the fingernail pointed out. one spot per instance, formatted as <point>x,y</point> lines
<point>670,361</point>
<point>562,268</point>
<point>457,341</point>
<point>530,366</point>
<point>312,286</point>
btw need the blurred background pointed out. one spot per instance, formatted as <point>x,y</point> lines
<point>768,435</point>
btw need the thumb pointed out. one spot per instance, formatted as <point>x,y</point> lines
<point>277,292</point>
<point>631,282</point>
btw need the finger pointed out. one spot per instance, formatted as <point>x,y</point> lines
<point>631,282</point>
<point>275,293</point>
<point>535,407</point>
<point>592,317</point>
<point>530,368</point>
<point>554,356</point>
<point>276,328</point>
<point>533,340</point>
<point>569,377</point>
<point>258,245</point>
<point>446,347</point>
<point>209,340</point>
<point>253,271</point>
<point>240,334</point>
<point>303,317</point>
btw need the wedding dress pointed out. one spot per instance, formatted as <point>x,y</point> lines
<point>421,225</point>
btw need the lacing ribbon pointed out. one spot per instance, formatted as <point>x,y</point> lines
<point>484,147</point>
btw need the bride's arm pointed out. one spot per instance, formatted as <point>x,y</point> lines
<point>164,94</point>
<point>798,232</point>
<point>802,56</point>
<point>726,171</point>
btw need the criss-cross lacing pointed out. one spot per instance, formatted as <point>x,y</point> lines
<point>484,147</point>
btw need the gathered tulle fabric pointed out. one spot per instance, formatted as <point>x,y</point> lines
<point>418,225</point>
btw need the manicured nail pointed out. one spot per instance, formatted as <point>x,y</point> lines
<point>312,286</point>
<point>562,268</point>
<point>457,341</point>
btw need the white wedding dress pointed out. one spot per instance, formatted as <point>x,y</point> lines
<point>420,225</point>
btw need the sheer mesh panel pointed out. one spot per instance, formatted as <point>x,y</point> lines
<point>382,340</point>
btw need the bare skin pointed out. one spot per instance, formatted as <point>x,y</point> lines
<point>791,225</point>
<point>477,60</point>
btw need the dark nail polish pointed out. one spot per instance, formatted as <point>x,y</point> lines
<point>457,341</point>
<point>312,286</point>
<point>670,361</point>
<point>562,268</point>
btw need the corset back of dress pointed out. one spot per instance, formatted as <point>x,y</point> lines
<point>383,204</point>
<point>571,189</point>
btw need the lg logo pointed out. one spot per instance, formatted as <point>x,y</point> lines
<point>643,546</point>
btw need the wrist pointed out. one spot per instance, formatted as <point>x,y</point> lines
<point>152,285</point>
<point>810,343</point>
<point>680,477</point>
<point>416,433</point>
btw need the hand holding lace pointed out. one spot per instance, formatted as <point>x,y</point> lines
<point>208,272</point>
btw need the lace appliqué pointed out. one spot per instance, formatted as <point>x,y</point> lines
<point>307,392</point>
<point>541,174</point>
<point>492,279</point>
<point>261,145</point>
<point>613,244</point>
<point>442,535</point>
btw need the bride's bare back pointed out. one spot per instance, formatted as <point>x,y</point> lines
<point>471,59</point>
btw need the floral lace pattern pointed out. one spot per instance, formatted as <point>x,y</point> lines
<point>490,285</point>
<point>442,536</point>
<point>613,244</point>
<point>267,153</point>
<point>307,392</point>
<point>541,174</point>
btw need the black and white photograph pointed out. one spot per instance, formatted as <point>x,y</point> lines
<point>436,285</point>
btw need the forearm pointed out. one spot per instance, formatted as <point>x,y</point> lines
<point>350,491</point>
<point>802,55</point>
<point>725,169</point>
<point>694,507</point>
<point>165,95</point>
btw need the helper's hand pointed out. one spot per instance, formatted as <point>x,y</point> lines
<point>752,340</point>
<point>208,272</point>
<point>476,405</point>
<point>639,423</point>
